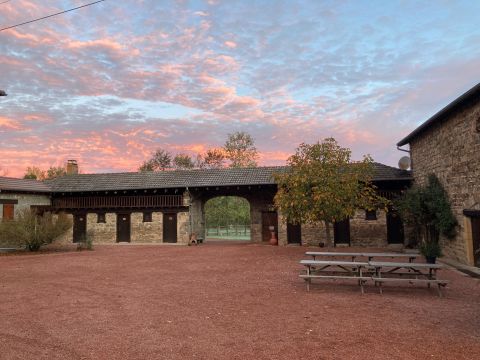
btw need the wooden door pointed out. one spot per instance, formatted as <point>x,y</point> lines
<point>294,233</point>
<point>123,227</point>
<point>170,227</point>
<point>79,227</point>
<point>476,240</point>
<point>395,233</point>
<point>269,218</point>
<point>8,211</point>
<point>341,232</point>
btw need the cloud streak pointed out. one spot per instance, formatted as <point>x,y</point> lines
<point>183,75</point>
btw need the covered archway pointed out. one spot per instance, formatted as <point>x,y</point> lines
<point>227,218</point>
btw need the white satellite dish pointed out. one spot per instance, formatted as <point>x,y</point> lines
<point>404,163</point>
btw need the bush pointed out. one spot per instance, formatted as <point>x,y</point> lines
<point>431,249</point>
<point>86,243</point>
<point>32,231</point>
<point>428,209</point>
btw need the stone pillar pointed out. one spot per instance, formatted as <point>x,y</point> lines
<point>198,217</point>
<point>183,227</point>
<point>282,230</point>
<point>256,222</point>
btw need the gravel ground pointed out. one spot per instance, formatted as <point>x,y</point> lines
<point>220,301</point>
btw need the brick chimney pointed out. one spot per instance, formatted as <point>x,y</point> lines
<point>72,167</point>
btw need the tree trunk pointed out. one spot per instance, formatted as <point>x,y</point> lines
<point>327,233</point>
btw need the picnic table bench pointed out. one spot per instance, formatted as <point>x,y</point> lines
<point>376,271</point>
<point>316,269</point>
<point>369,255</point>
<point>407,272</point>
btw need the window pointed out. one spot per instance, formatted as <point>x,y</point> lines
<point>101,218</point>
<point>147,217</point>
<point>370,214</point>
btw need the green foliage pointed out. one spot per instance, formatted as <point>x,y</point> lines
<point>183,162</point>
<point>431,249</point>
<point>32,231</point>
<point>38,174</point>
<point>161,160</point>
<point>240,150</point>
<point>324,185</point>
<point>214,159</point>
<point>426,208</point>
<point>87,242</point>
<point>227,210</point>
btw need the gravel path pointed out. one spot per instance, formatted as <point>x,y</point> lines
<point>220,301</point>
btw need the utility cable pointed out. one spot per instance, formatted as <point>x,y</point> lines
<point>48,16</point>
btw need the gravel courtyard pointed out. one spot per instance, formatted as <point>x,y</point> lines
<point>220,301</point>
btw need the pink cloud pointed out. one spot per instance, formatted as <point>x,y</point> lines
<point>230,44</point>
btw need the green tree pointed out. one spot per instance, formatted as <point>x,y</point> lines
<point>34,173</point>
<point>214,158</point>
<point>428,210</point>
<point>227,210</point>
<point>240,150</point>
<point>183,162</point>
<point>323,185</point>
<point>161,160</point>
<point>56,171</point>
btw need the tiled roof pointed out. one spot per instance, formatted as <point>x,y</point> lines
<point>22,185</point>
<point>189,178</point>
<point>470,95</point>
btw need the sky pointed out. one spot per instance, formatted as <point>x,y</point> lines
<point>110,83</point>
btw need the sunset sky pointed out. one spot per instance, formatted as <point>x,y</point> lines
<point>110,83</point>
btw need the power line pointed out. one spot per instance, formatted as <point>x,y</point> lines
<point>48,16</point>
<point>3,2</point>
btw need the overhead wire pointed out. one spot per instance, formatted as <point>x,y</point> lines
<point>49,16</point>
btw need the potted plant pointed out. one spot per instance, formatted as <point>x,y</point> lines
<point>431,250</point>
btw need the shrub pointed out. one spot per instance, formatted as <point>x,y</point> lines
<point>86,243</point>
<point>431,249</point>
<point>32,231</point>
<point>428,209</point>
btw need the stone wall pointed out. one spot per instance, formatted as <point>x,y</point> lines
<point>146,232</point>
<point>102,233</point>
<point>24,201</point>
<point>183,227</point>
<point>367,233</point>
<point>451,150</point>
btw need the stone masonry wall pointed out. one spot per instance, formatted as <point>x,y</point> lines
<point>366,233</point>
<point>183,227</point>
<point>102,233</point>
<point>24,201</point>
<point>146,232</point>
<point>451,150</point>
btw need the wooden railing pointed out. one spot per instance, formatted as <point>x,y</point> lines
<point>102,202</point>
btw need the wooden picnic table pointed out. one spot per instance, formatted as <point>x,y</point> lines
<point>377,271</point>
<point>406,272</point>
<point>369,255</point>
<point>334,270</point>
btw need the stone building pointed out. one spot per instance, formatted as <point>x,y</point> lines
<point>19,194</point>
<point>167,207</point>
<point>448,145</point>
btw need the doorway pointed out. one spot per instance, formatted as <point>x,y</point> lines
<point>395,233</point>
<point>123,227</point>
<point>294,233</point>
<point>269,218</point>
<point>341,232</point>
<point>79,227</point>
<point>170,227</point>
